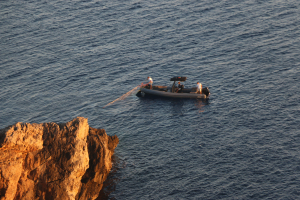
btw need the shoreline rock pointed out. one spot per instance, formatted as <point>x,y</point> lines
<point>54,161</point>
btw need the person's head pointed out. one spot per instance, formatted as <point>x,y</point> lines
<point>197,82</point>
<point>179,82</point>
<point>148,77</point>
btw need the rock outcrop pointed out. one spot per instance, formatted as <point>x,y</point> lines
<point>54,161</point>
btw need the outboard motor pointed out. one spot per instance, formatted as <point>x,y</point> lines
<point>205,91</point>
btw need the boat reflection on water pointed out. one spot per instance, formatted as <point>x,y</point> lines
<point>179,106</point>
<point>201,103</point>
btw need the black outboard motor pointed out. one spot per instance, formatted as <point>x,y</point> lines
<point>205,91</point>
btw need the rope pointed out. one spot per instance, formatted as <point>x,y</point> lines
<point>123,96</point>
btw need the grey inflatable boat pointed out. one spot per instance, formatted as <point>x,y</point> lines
<point>173,92</point>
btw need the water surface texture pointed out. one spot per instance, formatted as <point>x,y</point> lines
<point>63,59</point>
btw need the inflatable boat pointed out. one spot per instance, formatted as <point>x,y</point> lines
<point>173,91</point>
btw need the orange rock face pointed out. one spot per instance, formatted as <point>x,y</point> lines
<point>54,161</point>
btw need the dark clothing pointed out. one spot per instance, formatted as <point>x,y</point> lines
<point>180,87</point>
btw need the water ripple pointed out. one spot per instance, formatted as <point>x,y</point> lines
<point>63,59</point>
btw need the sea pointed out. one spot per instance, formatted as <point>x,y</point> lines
<point>63,59</point>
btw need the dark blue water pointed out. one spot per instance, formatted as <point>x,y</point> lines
<point>62,59</point>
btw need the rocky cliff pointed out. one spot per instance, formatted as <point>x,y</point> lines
<point>54,161</point>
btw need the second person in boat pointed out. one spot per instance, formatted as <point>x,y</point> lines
<point>179,87</point>
<point>199,88</point>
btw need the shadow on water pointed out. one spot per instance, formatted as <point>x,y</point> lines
<point>112,179</point>
<point>175,107</point>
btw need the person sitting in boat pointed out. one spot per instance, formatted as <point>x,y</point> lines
<point>199,88</point>
<point>150,82</point>
<point>179,87</point>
